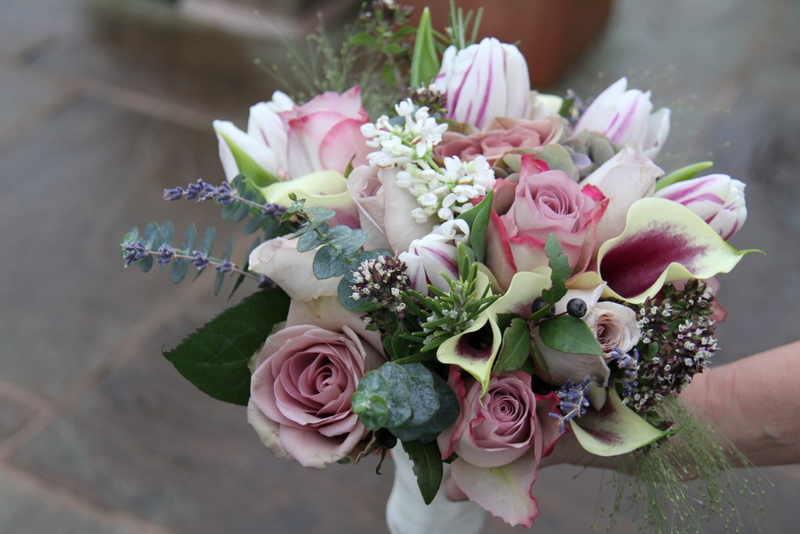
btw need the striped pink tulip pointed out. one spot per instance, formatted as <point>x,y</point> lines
<point>624,116</point>
<point>484,81</point>
<point>718,199</point>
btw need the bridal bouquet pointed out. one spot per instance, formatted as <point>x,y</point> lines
<point>474,271</point>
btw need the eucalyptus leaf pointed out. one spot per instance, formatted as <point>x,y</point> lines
<point>446,415</point>
<point>309,241</point>
<point>167,233</point>
<point>400,399</point>
<point>215,357</point>
<point>152,236</point>
<point>328,263</point>
<point>370,400</point>
<point>566,333</point>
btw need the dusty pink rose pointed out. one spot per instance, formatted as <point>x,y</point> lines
<point>384,209</point>
<point>499,439</point>
<point>544,203</point>
<point>498,137</point>
<point>300,393</point>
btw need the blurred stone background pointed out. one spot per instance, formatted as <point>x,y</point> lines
<point>103,103</point>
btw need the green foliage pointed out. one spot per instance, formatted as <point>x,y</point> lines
<point>428,467</point>
<point>339,246</point>
<point>516,347</point>
<point>215,357</point>
<point>443,315</point>
<point>461,25</point>
<point>566,333</point>
<point>478,220</point>
<point>682,174</point>
<point>157,236</point>
<point>425,61</point>
<point>408,400</point>
<point>560,271</point>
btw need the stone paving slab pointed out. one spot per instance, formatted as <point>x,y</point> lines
<point>97,429</point>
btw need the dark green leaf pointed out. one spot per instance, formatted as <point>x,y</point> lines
<point>180,267</point>
<point>516,347</point>
<point>428,467</point>
<point>478,220</point>
<point>229,209</point>
<point>215,357</point>
<point>446,415</point>
<point>242,209</point>
<point>369,401</point>
<point>566,333</point>
<point>129,239</point>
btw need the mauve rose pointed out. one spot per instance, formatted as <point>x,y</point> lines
<point>499,137</point>
<point>499,439</point>
<point>544,203</point>
<point>614,326</point>
<point>300,393</point>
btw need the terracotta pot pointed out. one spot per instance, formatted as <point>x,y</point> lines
<point>552,34</point>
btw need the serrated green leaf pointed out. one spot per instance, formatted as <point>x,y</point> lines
<point>425,60</point>
<point>560,271</point>
<point>328,263</point>
<point>215,357</point>
<point>515,349</point>
<point>682,174</point>
<point>566,333</point>
<point>428,467</point>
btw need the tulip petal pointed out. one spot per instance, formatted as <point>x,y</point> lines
<point>615,429</point>
<point>504,491</point>
<point>474,350</point>
<point>663,241</point>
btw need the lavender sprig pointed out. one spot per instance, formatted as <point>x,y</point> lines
<point>573,401</point>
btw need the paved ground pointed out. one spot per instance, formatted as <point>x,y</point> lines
<point>100,110</point>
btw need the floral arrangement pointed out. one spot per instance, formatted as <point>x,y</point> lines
<point>474,270</point>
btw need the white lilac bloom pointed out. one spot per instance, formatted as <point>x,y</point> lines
<point>401,144</point>
<point>446,193</point>
<point>625,116</point>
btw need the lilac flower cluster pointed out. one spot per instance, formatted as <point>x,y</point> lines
<point>677,343</point>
